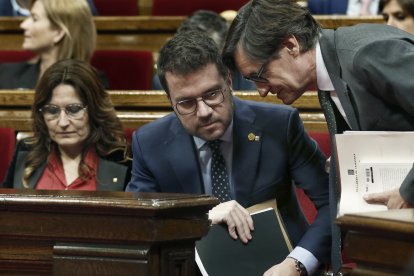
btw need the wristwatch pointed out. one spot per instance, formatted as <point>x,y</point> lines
<point>300,267</point>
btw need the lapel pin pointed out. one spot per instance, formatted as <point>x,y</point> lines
<point>253,137</point>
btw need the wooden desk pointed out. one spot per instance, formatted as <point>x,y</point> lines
<point>146,33</point>
<point>100,233</point>
<point>381,243</point>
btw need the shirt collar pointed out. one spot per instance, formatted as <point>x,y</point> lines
<point>322,76</point>
<point>227,137</point>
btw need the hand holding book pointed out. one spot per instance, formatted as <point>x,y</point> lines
<point>218,254</point>
<point>392,199</point>
<point>238,220</point>
<point>375,164</point>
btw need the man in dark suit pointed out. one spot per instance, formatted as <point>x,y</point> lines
<point>327,6</point>
<point>265,149</point>
<point>365,71</point>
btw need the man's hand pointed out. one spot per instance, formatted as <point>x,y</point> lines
<point>392,199</point>
<point>285,268</point>
<point>238,220</point>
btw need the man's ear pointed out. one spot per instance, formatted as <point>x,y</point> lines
<point>229,80</point>
<point>291,45</point>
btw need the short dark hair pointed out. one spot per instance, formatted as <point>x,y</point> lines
<point>188,52</point>
<point>209,22</point>
<point>261,26</point>
<point>406,5</point>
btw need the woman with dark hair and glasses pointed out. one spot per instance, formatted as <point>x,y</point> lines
<point>78,142</point>
<point>398,13</point>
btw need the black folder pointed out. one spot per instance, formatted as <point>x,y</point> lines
<point>220,255</point>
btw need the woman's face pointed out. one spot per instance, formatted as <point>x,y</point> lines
<point>39,34</point>
<point>395,16</point>
<point>67,118</point>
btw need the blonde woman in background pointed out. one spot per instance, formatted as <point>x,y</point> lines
<point>54,30</point>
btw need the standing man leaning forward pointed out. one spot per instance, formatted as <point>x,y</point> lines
<point>367,70</point>
<point>264,146</point>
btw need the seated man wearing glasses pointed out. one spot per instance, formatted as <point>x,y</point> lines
<point>242,152</point>
<point>78,142</point>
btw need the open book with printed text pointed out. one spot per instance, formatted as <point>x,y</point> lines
<point>371,162</point>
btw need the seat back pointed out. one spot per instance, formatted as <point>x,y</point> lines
<point>128,134</point>
<point>116,7</point>
<point>186,7</point>
<point>309,210</point>
<point>8,142</point>
<point>125,69</point>
<point>15,56</point>
<point>323,140</point>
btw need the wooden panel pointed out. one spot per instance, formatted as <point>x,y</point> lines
<point>381,243</point>
<point>100,233</point>
<point>136,108</point>
<point>147,33</point>
<point>156,99</point>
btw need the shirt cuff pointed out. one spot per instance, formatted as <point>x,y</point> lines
<point>306,258</point>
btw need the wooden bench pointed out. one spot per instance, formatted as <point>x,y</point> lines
<point>136,108</point>
<point>146,33</point>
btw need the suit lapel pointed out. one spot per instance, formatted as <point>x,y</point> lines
<point>182,157</point>
<point>111,176</point>
<point>246,152</point>
<point>327,44</point>
<point>18,175</point>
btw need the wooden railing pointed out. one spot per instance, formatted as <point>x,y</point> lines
<point>147,33</point>
<point>100,233</point>
<point>136,108</point>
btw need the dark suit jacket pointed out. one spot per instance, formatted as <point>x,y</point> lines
<point>327,6</point>
<point>372,71</point>
<point>109,168</point>
<point>24,75</point>
<point>165,160</point>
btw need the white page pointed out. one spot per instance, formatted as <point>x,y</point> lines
<point>357,150</point>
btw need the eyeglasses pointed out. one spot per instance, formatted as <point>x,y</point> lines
<point>258,77</point>
<point>73,111</point>
<point>211,98</point>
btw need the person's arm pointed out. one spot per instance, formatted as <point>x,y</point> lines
<point>142,180</point>
<point>308,172</point>
<point>395,90</point>
<point>307,167</point>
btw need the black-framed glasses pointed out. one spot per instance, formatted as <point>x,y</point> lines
<point>73,111</point>
<point>210,98</point>
<point>257,77</point>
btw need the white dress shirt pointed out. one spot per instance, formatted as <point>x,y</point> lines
<point>324,82</point>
